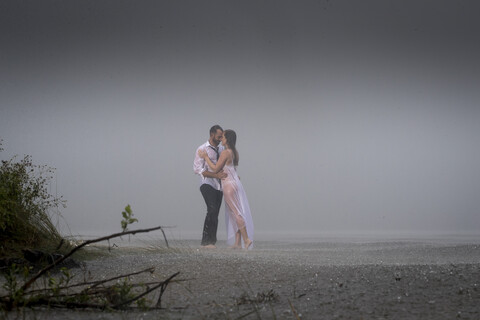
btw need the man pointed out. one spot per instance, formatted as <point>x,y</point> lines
<point>210,185</point>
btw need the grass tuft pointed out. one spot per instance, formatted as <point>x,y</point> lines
<point>26,208</point>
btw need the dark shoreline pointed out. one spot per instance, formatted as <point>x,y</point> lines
<point>319,280</point>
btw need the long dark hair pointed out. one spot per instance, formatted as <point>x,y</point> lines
<point>231,137</point>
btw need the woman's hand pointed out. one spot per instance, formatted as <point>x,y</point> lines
<point>202,153</point>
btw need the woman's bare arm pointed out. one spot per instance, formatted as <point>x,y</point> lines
<point>220,163</point>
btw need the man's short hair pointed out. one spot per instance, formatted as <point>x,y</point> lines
<point>215,128</point>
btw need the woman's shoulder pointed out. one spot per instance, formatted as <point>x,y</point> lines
<point>228,153</point>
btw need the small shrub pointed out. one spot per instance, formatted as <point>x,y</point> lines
<point>127,218</point>
<point>25,207</point>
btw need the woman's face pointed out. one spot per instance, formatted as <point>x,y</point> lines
<point>224,141</point>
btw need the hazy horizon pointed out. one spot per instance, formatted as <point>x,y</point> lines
<point>352,117</point>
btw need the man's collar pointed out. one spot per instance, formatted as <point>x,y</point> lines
<point>208,144</point>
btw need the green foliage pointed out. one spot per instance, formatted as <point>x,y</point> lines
<point>127,218</point>
<point>12,284</point>
<point>142,303</point>
<point>124,290</point>
<point>56,284</point>
<point>25,207</point>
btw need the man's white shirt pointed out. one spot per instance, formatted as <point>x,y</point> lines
<point>200,165</point>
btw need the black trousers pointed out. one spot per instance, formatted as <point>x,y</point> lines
<point>213,200</point>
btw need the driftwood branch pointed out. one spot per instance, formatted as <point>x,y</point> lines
<point>27,284</point>
<point>165,237</point>
<point>97,283</point>
<point>94,284</point>
<point>54,302</point>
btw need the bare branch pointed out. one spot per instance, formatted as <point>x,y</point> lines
<point>27,284</point>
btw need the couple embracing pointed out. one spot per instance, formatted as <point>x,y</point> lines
<point>216,161</point>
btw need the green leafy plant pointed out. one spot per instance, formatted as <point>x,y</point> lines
<point>127,218</point>
<point>124,290</point>
<point>143,304</point>
<point>56,284</point>
<point>11,284</point>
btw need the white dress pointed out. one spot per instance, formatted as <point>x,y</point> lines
<point>237,209</point>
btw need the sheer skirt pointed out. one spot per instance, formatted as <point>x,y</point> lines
<point>237,209</point>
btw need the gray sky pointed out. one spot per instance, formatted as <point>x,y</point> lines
<point>352,116</point>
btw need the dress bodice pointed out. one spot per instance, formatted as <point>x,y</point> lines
<point>230,169</point>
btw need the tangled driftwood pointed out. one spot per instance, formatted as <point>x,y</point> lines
<point>102,294</point>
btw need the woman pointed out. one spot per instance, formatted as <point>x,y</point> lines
<point>237,211</point>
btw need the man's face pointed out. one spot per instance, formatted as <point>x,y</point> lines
<point>217,137</point>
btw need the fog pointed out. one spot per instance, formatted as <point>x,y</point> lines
<point>352,117</point>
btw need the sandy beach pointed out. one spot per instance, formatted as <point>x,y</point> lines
<point>291,279</point>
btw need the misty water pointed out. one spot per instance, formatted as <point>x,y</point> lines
<point>351,249</point>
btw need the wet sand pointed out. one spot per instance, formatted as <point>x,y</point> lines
<point>395,279</point>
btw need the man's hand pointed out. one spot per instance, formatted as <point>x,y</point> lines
<point>221,175</point>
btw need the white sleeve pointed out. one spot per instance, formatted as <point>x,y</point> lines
<point>198,164</point>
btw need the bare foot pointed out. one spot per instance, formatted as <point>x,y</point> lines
<point>248,243</point>
<point>235,247</point>
<point>209,246</point>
